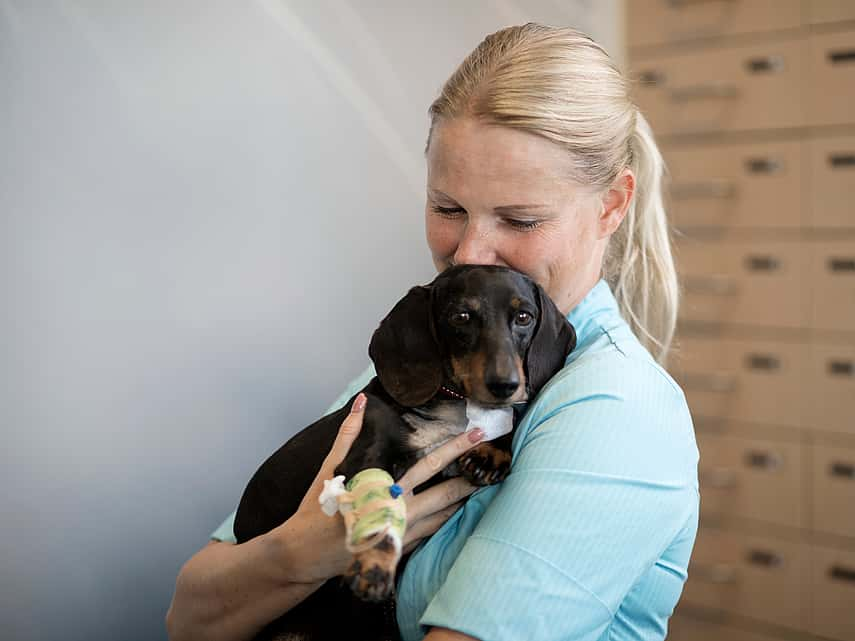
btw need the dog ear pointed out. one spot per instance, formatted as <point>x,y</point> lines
<point>405,352</point>
<point>554,338</point>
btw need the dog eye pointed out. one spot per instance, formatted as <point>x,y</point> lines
<point>459,318</point>
<point>524,318</point>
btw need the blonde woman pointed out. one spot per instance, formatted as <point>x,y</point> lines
<point>536,159</point>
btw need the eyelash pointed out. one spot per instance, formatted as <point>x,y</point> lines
<point>453,212</point>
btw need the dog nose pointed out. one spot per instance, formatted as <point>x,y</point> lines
<point>503,388</point>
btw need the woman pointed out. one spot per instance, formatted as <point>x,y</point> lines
<point>537,159</point>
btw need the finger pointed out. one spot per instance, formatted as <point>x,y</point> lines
<point>427,526</point>
<point>347,433</point>
<point>438,498</point>
<point>437,460</point>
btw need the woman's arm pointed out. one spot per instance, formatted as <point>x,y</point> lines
<point>228,592</point>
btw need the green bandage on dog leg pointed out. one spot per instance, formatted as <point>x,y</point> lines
<point>372,508</point>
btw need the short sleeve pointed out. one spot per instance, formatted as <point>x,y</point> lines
<point>603,480</point>
<point>226,531</point>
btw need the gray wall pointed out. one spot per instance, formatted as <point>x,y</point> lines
<point>206,208</point>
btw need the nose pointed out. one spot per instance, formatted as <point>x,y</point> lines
<point>503,388</point>
<point>476,245</point>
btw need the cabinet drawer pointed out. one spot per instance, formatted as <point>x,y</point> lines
<point>830,10</point>
<point>741,186</point>
<point>831,387</point>
<point>754,381</point>
<point>751,576</point>
<point>833,593</point>
<point>831,163</point>
<point>726,89</point>
<point>832,281</point>
<point>748,283</point>
<point>831,78</point>
<point>751,478</point>
<point>654,22</point>
<point>834,490</point>
<point>684,628</point>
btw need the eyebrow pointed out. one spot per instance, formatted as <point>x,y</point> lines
<point>501,209</point>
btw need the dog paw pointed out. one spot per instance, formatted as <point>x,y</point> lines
<point>371,575</point>
<point>485,464</point>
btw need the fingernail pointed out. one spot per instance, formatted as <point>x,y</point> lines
<point>475,435</point>
<point>359,403</point>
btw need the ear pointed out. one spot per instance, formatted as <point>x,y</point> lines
<point>405,352</point>
<point>615,204</point>
<point>554,338</point>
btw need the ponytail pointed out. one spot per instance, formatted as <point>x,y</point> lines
<point>639,264</point>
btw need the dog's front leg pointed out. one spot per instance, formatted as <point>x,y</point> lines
<point>487,463</point>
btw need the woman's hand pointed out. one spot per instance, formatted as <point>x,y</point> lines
<point>315,542</point>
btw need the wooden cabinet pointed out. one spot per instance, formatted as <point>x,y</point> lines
<point>753,105</point>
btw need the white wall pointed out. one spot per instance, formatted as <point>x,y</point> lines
<point>206,208</point>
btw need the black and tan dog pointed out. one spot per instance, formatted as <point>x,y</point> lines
<point>484,333</point>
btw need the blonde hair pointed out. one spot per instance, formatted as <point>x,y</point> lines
<point>558,83</point>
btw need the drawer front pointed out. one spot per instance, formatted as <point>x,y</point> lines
<point>831,163</point>
<point>831,78</point>
<point>741,186</point>
<point>733,89</point>
<point>831,388</point>
<point>655,22</point>
<point>751,576</point>
<point>830,10</point>
<point>685,628</point>
<point>833,584</point>
<point>747,283</point>
<point>751,478</point>
<point>754,381</point>
<point>832,281</point>
<point>834,490</point>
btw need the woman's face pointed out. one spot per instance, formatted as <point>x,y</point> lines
<point>500,196</point>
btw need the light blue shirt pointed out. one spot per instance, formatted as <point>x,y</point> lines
<point>590,535</point>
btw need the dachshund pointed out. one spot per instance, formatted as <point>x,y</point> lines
<point>486,334</point>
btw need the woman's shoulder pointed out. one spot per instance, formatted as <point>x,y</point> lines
<point>614,409</point>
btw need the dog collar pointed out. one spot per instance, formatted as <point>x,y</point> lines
<point>450,392</point>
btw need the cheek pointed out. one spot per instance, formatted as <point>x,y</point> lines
<point>443,236</point>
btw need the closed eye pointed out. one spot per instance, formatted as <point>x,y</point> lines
<point>523,225</point>
<point>449,212</point>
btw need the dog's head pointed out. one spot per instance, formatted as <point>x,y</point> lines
<point>490,332</point>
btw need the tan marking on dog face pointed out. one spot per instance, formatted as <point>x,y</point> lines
<point>516,303</point>
<point>461,368</point>
<point>520,395</point>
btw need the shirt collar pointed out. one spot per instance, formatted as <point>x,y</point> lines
<point>591,313</point>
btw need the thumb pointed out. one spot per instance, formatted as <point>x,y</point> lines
<point>347,433</point>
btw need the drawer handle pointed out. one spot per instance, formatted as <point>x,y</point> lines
<point>683,3</point>
<point>762,263</point>
<point>720,383</point>
<point>711,189</point>
<point>841,368</point>
<point>841,264</point>
<point>704,92</point>
<point>763,165</point>
<point>710,285</point>
<point>651,77</point>
<point>842,470</point>
<point>765,559</point>
<point>841,56</point>
<point>720,573</point>
<point>720,478</point>
<point>763,362</point>
<point>765,64</point>
<point>841,160</point>
<point>840,573</point>
<point>763,460</point>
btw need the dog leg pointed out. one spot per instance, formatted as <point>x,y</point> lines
<point>485,464</point>
<point>371,575</point>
